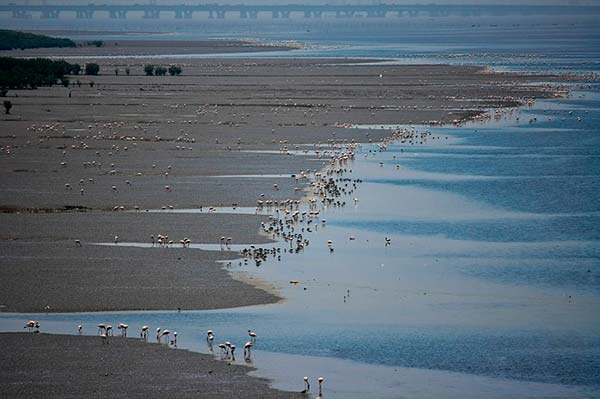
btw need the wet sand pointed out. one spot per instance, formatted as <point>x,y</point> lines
<point>46,366</point>
<point>62,277</point>
<point>152,142</point>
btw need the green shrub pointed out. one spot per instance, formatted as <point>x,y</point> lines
<point>174,70</point>
<point>97,43</point>
<point>7,106</point>
<point>92,69</point>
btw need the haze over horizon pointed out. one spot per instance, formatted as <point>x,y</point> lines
<point>193,2</point>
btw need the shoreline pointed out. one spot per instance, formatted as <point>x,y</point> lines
<point>220,158</point>
<point>259,387</point>
<point>126,367</point>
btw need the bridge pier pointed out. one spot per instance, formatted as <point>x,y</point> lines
<point>21,14</point>
<point>151,14</point>
<point>244,14</point>
<point>313,14</point>
<point>50,14</point>
<point>84,14</point>
<point>219,13</point>
<point>281,14</point>
<point>117,14</point>
<point>183,14</point>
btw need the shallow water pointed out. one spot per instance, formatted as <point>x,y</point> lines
<point>531,43</point>
<point>490,287</point>
<point>491,284</point>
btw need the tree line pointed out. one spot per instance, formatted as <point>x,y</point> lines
<point>17,73</point>
<point>31,73</point>
<point>173,70</point>
<point>10,39</point>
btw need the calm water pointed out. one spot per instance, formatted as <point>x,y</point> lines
<point>491,286</point>
<point>542,43</point>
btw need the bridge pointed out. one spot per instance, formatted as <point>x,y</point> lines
<point>286,11</point>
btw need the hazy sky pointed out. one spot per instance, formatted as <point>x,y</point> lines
<point>519,2</point>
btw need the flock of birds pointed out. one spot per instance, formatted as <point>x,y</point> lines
<point>289,223</point>
<point>328,186</point>
<point>227,349</point>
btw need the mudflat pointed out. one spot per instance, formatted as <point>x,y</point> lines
<point>66,366</point>
<point>84,162</point>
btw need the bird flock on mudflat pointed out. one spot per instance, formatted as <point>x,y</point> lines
<point>226,348</point>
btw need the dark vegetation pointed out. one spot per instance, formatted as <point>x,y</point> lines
<point>97,43</point>
<point>149,70</point>
<point>173,70</point>
<point>92,69</point>
<point>10,39</point>
<point>17,73</point>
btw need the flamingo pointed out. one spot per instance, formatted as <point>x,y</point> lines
<point>101,327</point>
<point>306,386</point>
<point>248,349</point>
<point>174,338</point>
<point>232,352</point>
<point>165,334</point>
<point>144,332</point>
<point>223,347</point>
<point>252,335</point>
<point>209,340</point>
<point>321,379</point>
<point>158,335</point>
<point>109,330</point>
<point>30,325</point>
<point>123,327</point>
<point>79,328</point>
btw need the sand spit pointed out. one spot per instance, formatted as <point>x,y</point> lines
<point>61,277</point>
<point>125,368</point>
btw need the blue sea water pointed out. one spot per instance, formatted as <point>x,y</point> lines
<point>491,287</point>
